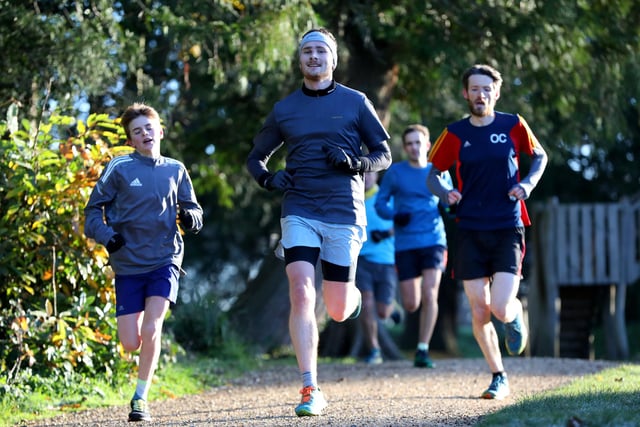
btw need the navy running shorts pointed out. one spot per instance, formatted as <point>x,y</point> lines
<point>132,290</point>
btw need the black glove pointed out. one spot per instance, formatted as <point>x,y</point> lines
<point>337,157</point>
<point>280,180</point>
<point>378,235</point>
<point>115,243</point>
<point>185,219</point>
<point>402,218</point>
<point>450,211</point>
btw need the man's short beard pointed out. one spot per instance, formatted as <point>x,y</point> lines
<point>475,111</point>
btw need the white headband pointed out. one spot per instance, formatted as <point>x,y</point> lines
<point>317,36</point>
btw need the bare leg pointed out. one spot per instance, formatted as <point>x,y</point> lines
<point>478,293</point>
<point>429,311</point>
<point>151,333</point>
<point>505,305</point>
<point>304,335</point>
<point>369,320</point>
<point>411,293</point>
<point>129,331</point>
<point>144,331</point>
<point>341,299</point>
<point>302,319</point>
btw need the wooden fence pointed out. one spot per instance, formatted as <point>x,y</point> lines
<point>583,258</point>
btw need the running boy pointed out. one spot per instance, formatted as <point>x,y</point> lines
<point>132,211</point>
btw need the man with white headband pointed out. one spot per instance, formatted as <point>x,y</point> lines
<point>324,126</point>
<point>327,39</point>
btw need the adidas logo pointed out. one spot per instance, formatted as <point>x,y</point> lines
<point>467,144</point>
<point>135,183</point>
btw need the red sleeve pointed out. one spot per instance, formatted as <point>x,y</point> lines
<point>524,138</point>
<point>444,151</point>
<point>525,142</point>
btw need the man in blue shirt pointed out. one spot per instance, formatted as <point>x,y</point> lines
<point>420,238</point>
<point>376,273</point>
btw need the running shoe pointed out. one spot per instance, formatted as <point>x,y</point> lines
<point>498,389</point>
<point>422,360</point>
<point>139,410</point>
<point>515,336</point>
<point>313,402</point>
<point>374,358</point>
<point>356,312</point>
<point>396,317</point>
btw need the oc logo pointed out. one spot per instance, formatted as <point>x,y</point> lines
<point>498,138</point>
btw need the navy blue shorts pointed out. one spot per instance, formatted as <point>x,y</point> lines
<point>484,253</point>
<point>411,262</point>
<point>380,279</point>
<point>132,290</point>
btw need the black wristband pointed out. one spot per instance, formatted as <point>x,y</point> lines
<point>357,164</point>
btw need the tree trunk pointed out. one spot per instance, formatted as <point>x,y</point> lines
<point>261,313</point>
<point>369,70</point>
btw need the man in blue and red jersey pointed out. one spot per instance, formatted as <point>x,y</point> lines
<point>323,126</point>
<point>485,150</point>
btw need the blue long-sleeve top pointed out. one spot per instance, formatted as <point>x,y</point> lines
<point>381,252</point>
<point>403,189</point>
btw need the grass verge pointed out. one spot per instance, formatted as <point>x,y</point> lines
<point>606,399</point>
<point>190,375</point>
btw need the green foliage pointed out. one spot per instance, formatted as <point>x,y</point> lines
<point>56,317</point>
<point>203,313</point>
<point>50,395</point>
<point>71,47</point>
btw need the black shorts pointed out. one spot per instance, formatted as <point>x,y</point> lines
<point>484,253</point>
<point>411,262</point>
<point>380,279</point>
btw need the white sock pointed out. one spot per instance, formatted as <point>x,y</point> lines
<point>142,389</point>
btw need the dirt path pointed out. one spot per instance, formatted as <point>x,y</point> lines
<point>391,394</point>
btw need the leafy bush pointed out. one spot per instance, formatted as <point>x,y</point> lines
<point>56,302</point>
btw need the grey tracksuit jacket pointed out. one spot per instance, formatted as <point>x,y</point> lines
<point>139,198</point>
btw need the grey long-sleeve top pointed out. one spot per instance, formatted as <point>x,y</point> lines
<point>305,122</point>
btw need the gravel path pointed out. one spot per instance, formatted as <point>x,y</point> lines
<point>391,394</point>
